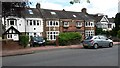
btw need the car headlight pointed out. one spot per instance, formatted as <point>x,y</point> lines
<point>43,40</point>
<point>35,41</point>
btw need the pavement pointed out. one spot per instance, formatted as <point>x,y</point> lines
<point>32,50</point>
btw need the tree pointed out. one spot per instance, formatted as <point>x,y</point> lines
<point>117,24</point>
<point>77,1</point>
<point>13,9</point>
<point>118,34</point>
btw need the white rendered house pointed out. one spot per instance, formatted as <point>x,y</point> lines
<point>105,24</point>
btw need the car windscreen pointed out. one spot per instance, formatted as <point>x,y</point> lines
<point>90,37</point>
<point>38,38</point>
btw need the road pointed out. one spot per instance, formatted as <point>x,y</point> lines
<point>66,57</point>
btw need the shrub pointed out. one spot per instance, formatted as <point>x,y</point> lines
<point>118,34</point>
<point>24,40</point>
<point>69,38</point>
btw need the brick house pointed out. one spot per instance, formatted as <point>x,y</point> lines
<point>49,23</point>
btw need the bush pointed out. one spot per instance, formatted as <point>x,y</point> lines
<point>24,40</point>
<point>118,34</point>
<point>69,38</point>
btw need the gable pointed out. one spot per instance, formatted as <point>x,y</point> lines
<point>11,30</point>
<point>104,19</point>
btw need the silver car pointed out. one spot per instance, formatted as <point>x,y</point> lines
<point>97,41</point>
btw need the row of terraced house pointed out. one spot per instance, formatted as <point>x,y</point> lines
<point>49,23</point>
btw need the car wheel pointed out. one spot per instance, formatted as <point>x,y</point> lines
<point>95,46</point>
<point>111,45</point>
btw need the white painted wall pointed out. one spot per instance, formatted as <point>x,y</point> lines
<point>30,28</point>
<point>20,23</point>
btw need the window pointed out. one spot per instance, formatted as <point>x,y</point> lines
<point>12,22</point>
<point>78,24</point>
<point>53,13</point>
<point>51,35</point>
<point>9,36</point>
<point>37,23</point>
<point>34,28</point>
<point>52,23</point>
<point>56,23</point>
<point>30,11</point>
<point>89,33</point>
<point>74,16</point>
<point>66,24</point>
<point>30,22</point>
<point>34,22</point>
<point>89,24</point>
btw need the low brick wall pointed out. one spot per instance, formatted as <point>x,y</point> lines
<point>10,45</point>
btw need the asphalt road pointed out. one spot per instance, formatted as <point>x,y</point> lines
<point>66,57</point>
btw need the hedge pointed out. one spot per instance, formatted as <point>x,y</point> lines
<point>69,38</point>
<point>24,40</point>
<point>118,34</point>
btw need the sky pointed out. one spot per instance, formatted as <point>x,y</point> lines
<point>106,7</point>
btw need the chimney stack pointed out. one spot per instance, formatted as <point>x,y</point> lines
<point>38,6</point>
<point>84,10</point>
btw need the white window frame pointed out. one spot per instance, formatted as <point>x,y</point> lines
<point>89,33</point>
<point>51,35</point>
<point>9,36</point>
<point>14,23</point>
<point>89,24</point>
<point>66,24</point>
<point>34,22</point>
<point>51,24</point>
<point>78,24</point>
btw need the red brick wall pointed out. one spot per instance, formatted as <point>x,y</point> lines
<point>10,45</point>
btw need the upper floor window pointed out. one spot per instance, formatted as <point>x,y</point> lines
<point>52,23</point>
<point>66,24</point>
<point>78,24</point>
<point>89,24</point>
<point>12,22</point>
<point>30,22</point>
<point>34,22</point>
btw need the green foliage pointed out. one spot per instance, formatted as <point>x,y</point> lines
<point>118,34</point>
<point>24,40</point>
<point>117,24</point>
<point>69,38</point>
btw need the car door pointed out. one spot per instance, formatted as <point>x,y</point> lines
<point>103,41</point>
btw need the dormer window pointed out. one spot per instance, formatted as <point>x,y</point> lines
<point>53,13</point>
<point>74,16</point>
<point>30,11</point>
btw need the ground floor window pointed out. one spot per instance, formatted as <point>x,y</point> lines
<point>9,36</point>
<point>51,35</point>
<point>34,34</point>
<point>89,33</point>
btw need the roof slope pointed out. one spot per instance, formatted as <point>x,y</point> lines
<point>31,13</point>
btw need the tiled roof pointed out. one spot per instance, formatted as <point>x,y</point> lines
<point>111,20</point>
<point>47,13</point>
<point>96,17</point>
<point>31,13</point>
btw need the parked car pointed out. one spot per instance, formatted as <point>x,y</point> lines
<point>37,41</point>
<point>97,41</point>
